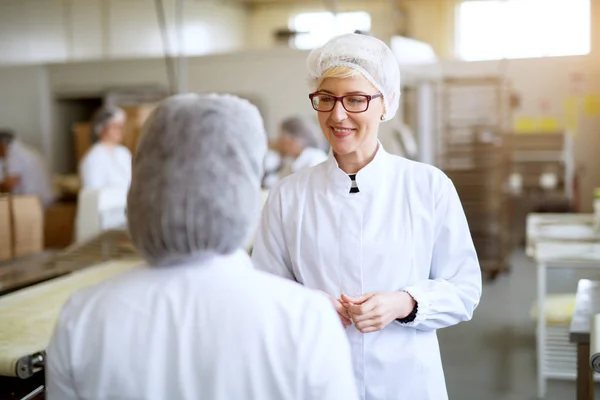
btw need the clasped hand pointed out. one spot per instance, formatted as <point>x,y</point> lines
<point>372,312</point>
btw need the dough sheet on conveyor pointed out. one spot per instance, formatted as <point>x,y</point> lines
<point>108,246</point>
<point>28,316</point>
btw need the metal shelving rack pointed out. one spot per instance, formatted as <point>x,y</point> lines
<point>475,114</point>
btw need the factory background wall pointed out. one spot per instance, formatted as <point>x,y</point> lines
<point>264,19</point>
<point>544,85</point>
<point>43,31</point>
<point>251,74</point>
<point>274,77</point>
<point>23,103</point>
<point>248,74</point>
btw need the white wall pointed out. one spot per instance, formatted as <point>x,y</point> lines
<point>265,19</point>
<point>276,78</point>
<point>24,106</point>
<point>47,31</point>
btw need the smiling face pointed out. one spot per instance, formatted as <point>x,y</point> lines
<point>351,134</point>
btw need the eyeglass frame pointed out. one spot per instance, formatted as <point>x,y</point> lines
<point>341,100</point>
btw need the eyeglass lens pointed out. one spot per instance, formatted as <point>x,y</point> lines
<point>352,103</point>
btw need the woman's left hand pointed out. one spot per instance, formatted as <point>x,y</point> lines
<point>371,312</point>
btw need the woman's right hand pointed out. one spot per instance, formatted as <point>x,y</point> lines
<point>341,310</point>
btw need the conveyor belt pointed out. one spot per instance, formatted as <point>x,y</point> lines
<point>28,316</point>
<point>595,343</point>
<point>110,245</point>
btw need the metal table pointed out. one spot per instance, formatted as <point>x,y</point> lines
<point>567,227</point>
<point>555,255</point>
<point>587,304</point>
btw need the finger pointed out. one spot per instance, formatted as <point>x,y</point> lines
<point>338,306</point>
<point>345,321</point>
<point>369,329</point>
<point>360,309</point>
<point>356,299</point>
<point>370,325</point>
<point>373,314</point>
<point>344,312</point>
<point>341,310</point>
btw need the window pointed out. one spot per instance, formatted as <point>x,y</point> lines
<point>322,26</point>
<point>497,29</point>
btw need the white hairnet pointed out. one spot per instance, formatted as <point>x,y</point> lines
<point>366,54</point>
<point>104,116</point>
<point>196,178</point>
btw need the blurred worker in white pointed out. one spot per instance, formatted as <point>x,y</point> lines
<point>199,322</point>
<point>23,170</point>
<point>299,145</point>
<point>384,236</point>
<point>272,165</point>
<point>107,163</point>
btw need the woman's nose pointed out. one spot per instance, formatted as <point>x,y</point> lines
<point>338,113</point>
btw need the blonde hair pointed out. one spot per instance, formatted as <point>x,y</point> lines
<point>339,71</point>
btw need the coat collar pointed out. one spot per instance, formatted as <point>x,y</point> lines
<point>367,179</point>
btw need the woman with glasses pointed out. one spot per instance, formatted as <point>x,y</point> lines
<point>385,237</point>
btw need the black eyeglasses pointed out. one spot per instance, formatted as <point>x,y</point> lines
<point>353,103</point>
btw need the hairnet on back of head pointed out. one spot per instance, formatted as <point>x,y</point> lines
<point>367,55</point>
<point>196,178</point>
<point>304,129</point>
<point>104,116</point>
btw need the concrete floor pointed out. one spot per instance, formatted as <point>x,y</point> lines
<point>492,357</point>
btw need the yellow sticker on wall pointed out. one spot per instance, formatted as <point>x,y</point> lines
<point>591,105</point>
<point>524,125</point>
<point>549,125</point>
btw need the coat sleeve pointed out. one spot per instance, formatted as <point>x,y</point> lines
<point>325,357</point>
<point>453,289</point>
<point>37,179</point>
<point>59,379</point>
<point>269,252</point>
<point>92,172</point>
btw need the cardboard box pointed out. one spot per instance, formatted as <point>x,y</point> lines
<point>21,226</point>
<point>28,232</point>
<point>82,135</point>
<point>5,230</point>
<point>59,223</point>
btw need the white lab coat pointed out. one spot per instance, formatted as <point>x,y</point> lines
<point>404,230</point>
<point>34,175</point>
<point>215,329</point>
<point>103,166</point>
<point>309,157</point>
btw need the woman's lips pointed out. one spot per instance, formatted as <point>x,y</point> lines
<point>341,133</point>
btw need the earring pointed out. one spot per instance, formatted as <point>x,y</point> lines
<point>382,117</point>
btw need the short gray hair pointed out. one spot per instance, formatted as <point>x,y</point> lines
<point>196,178</point>
<point>302,128</point>
<point>104,116</point>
